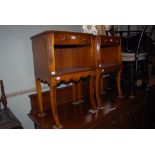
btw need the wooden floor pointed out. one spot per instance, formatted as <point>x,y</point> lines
<point>117,113</point>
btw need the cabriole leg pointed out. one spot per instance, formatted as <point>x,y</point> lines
<point>79,92</point>
<point>74,91</point>
<point>91,91</point>
<point>54,104</point>
<point>98,91</point>
<point>39,95</point>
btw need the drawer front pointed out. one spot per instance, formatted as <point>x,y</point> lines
<point>117,41</point>
<point>111,69</point>
<point>110,41</point>
<point>72,39</point>
<point>104,41</point>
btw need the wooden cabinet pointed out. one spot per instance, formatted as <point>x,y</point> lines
<point>63,57</point>
<point>108,60</point>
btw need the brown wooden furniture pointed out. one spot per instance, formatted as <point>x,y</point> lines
<point>7,119</point>
<point>63,57</point>
<point>124,113</point>
<point>108,60</point>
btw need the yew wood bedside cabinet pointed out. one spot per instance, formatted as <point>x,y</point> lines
<point>63,57</point>
<point>108,60</point>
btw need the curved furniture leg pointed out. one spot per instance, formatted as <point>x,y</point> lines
<point>97,91</point>
<point>74,92</point>
<point>79,92</point>
<point>91,92</point>
<point>120,93</point>
<point>54,104</point>
<point>39,95</point>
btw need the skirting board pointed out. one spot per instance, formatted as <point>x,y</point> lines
<point>29,90</point>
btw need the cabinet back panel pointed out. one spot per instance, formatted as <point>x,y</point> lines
<point>109,55</point>
<point>73,57</point>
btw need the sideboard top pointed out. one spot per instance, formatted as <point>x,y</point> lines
<point>59,32</point>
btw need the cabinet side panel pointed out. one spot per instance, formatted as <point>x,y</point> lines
<point>96,49</point>
<point>41,67</point>
<point>109,55</point>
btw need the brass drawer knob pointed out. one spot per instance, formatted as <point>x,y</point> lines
<point>111,40</point>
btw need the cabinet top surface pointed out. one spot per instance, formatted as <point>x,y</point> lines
<point>71,33</point>
<point>59,32</point>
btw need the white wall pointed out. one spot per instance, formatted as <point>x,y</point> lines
<point>16,63</point>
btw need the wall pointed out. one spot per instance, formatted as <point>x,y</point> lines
<point>16,63</point>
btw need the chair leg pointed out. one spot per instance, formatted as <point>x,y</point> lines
<point>3,96</point>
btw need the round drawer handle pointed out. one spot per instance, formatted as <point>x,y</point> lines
<point>111,40</point>
<point>73,37</point>
<point>102,70</point>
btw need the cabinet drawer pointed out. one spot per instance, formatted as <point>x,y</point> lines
<point>72,39</point>
<point>110,41</point>
<point>117,41</point>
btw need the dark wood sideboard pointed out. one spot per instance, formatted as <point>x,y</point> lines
<point>118,113</point>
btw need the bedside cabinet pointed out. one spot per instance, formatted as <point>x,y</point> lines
<point>63,57</point>
<point>108,60</point>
